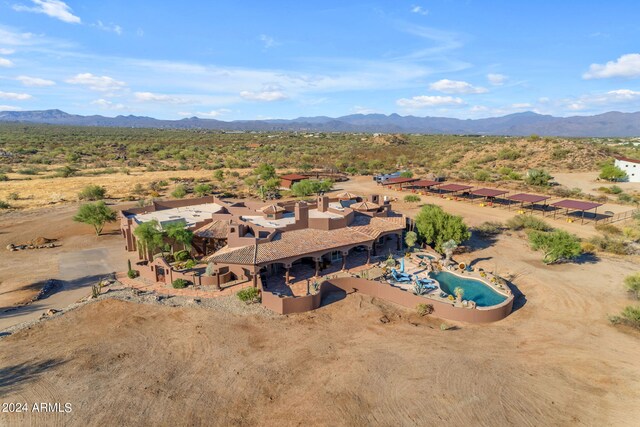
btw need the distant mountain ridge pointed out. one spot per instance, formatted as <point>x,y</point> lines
<point>611,124</point>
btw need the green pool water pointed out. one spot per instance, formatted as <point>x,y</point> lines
<point>474,290</point>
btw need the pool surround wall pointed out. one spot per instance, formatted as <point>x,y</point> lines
<point>441,309</point>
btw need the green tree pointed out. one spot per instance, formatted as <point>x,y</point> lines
<point>406,174</point>
<point>538,177</point>
<point>265,171</point>
<point>149,235</point>
<point>612,173</point>
<point>179,234</point>
<point>410,238</point>
<point>92,192</point>
<point>95,214</point>
<point>307,187</point>
<point>556,245</point>
<point>202,189</point>
<point>436,226</point>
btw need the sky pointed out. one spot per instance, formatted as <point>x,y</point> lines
<point>232,60</point>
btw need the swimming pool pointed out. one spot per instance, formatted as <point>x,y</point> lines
<point>474,290</point>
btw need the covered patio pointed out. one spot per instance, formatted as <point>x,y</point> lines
<point>453,189</point>
<point>489,195</point>
<point>532,201</point>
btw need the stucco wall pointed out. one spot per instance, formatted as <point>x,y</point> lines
<point>288,305</point>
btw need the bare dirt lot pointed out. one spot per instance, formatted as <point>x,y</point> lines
<point>554,361</point>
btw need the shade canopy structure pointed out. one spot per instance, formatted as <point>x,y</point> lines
<point>576,205</point>
<point>527,198</point>
<point>426,183</point>
<point>399,180</point>
<point>294,177</point>
<point>454,187</point>
<point>488,192</point>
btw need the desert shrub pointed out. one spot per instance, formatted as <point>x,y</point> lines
<point>132,274</point>
<point>180,283</point>
<point>13,196</point>
<point>630,316</point>
<point>96,290</point>
<point>181,256</point>
<point>614,189</point>
<point>189,264</point>
<point>3,177</point>
<point>509,154</point>
<point>424,309</point>
<point>406,174</point>
<point>632,282</point>
<point>202,189</point>
<point>559,153</point>
<point>66,172</point>
<point>4,205</point>
<point>482,175</point>
<point>608,229</point>
<point>610,245</point>
<point>631,233</point>
<point>435,227</point>
<point>488,229</point>
<point>92,192</point>
<point>179,192</point>
<point>28,171</point>
<point>249,295</point>
<point>556,245</point>
<point>528,222</point>
<point>625,198</point>
<point>411,198</point>
<point>611,172</point>
<point>538,177</point>
<point>588,248</point>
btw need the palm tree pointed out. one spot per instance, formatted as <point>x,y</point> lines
<point>149,236</point>
<point>448,247</point>
<point>459,293</point>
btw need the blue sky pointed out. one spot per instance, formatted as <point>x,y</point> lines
<point>255,59</point>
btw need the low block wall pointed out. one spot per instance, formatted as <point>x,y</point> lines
<point>443,310</point>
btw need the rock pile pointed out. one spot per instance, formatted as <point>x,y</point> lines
<point>38,243</point>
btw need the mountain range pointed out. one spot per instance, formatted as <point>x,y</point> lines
<point>611,124</point>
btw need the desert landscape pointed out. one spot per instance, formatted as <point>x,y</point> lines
<point>355,361</point>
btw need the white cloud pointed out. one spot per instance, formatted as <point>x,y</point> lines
<point>520,105</point>
<point>108,104</point>
<point>4,62</point>
<point>264,96</point>
<point>455,86</point>
<point>213,113</point>
<point>15,96</point>
<point>496,79</point>
<point>9,108</point>
<point>268,41</point>
<point>429,101</point>
<point>158,97</point>
<point>97,83</point>
<point>53,8</point>
<point>419,10</point>
<point>626,66</point>
<point>113,28</point>
<point>478,109</point>
<point>5,51</point>
<point>35,81</point>
<point>357,109</point>
<point>613,97</point>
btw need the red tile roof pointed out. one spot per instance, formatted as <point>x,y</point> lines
<point>272,209</point>
<point>289,244</point>
<point>627,159</point>
<point>364,206</point>
<point>213,230</point>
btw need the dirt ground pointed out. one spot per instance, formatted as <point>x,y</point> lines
<point>554,361</point>
<point>23,273</point>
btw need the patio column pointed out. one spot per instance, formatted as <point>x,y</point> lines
<point>286,274</point>
<point>368,255</point>
<point>399,236</point>
<point>317,267</point>
<point>344,260</point>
